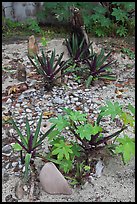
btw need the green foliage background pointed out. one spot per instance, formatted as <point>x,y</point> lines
<point>99,20</point>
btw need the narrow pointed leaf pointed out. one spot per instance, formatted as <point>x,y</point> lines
<point>52,59</point>
<point>100,57</point>
<point>30,143</point>
<point>88,81</point>
<point>27,129</point>
<point>37,132</point>
<point>59,60</point>
<point>85,49</point>
<point>19,133</point>
<point>113,78</point>
<point>27,164</point>
<point>43,57</point>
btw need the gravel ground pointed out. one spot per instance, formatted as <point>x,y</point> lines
<point>117,182</point>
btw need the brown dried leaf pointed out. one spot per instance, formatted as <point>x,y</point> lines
<point>48,114</point>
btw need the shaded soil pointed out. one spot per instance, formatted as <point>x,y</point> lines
<point>117,183</point>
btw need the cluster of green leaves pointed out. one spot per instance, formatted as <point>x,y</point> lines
<point>102,20</point>
<point>81,138</point>
<point>28,145</point>
<point>89,136</point>
<point>78,52</point>
<point>33,25</point>
<point>51,68</point>
<point>129,52</point>
<point>29,26</point>
<point>91,66</point>
<point>63,152</point>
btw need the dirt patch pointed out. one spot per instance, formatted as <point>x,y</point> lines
<point>117,182</point>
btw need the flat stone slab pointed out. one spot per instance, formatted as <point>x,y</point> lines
<point>52,181</point>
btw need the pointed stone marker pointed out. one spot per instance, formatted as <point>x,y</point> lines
<point>53,181</point>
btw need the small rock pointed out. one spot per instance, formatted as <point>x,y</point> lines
<point>25,188</point>
<point>8,101</point>
<point>78,103</point>
<point>14,164</point>
<point>9,198</point>
<point>6,150</point>
<point>86,109</point>
<point>53,181</point>
<point>32,83</point>
<point>73,100</point>
<point>37,109</point>
<point>59,110</point>
<point>58,100</point>
<point>17,105</point>
<point>19,191</point>
<point>99,168</point>
<point>28,110</point>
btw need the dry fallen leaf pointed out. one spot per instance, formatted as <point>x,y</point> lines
<point>17,88</point>
<point>12,89</point>
<point>118,92</point>
<point>6,118</point>
<point>48,114</point>
<point>119,85</point>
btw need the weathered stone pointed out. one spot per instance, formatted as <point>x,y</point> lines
<point>19,191</point>
<point>32,46</point>
<point>53,181</point>
<point>6,150</point>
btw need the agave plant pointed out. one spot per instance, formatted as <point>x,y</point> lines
<point>97,68</point>
<point>78,51</point>
<point>29,143</point>
<point>50,67</point>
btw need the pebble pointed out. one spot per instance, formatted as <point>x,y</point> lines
<point>60,110</point>
<point>86,109</point>
<point>8,101</point>
<point>28,110</point>
<point>6,150</point>
<point>19,191</point>
<point>37,109</point>
<point>14,164</point>
<point>17,105</point>
<point>78,103</point>
<point>58,100</point>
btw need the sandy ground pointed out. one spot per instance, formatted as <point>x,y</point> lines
<point>117,183</point>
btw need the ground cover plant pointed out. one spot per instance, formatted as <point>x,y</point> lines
<point>101,18</point>
<point>73,138</point>
<point>78,52</point>
<point>51,68</point>
<point>88,137</point>
<point>28,145</point>
<point>91,67</point>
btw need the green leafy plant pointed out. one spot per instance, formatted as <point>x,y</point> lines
<point>126,147</point>
<point>92,137</point>
<point>101,19</point>
<point>97,68</point>
<point>122,31</point>
<point>129,52</point>
<point>50,67</point>
<point>33,25</point>
<point>78,52</point>
<point>63,152</point>
<point>28,144</point>
<point>44,41</point>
